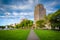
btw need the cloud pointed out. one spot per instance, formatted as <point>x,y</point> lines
<point>27,13</point>
<point>6,16</point>
<point>18,15</point>
<point>15,14</point>
<point>29,4</point>
<point>7,13</point>
<point>50,7</point>
<point>54,3</point>
<point>21,7</point>
<point>49,11</point>
<point>2,9</point>
<point>23,14</point>
<point>31,1</point>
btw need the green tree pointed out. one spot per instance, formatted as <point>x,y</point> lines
<point>40,23</point>
<point>10,26</point>
<point>17,26</point>
<point>55,19</point>
<point>2,27</point>
<point>25,23</point>
<point>47,20</point>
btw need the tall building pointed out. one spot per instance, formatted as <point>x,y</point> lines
<point>39,12</point>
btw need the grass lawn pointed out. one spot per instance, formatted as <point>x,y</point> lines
<point>14,34</point>
<point>48,34</point>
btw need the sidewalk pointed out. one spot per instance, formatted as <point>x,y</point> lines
<point>32,36</point>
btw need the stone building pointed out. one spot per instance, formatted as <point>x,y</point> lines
<point>39,12</point>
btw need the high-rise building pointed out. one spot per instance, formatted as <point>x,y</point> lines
<point>39,12</point>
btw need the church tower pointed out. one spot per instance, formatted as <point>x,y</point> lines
<point>39,12</point>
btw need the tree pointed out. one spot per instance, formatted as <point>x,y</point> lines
<point>2,27</point>
<point>47,20</point>
<point>10,26</point>
<point>40,23</point>
<point>25,23</point>
<point>55,19</point>
<point>17,26</point>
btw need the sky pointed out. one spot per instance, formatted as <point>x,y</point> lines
<point>13,11</point>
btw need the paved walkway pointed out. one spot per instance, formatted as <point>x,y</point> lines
<point>32,36</point>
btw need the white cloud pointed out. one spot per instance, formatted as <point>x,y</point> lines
<point>31,19</point>
<point>37,1</point>
<point>6,16</point>
<point>15,14</point>
<point>53,3</point>
<point>50,7</point>
<point>29,5</point>
<point>26,13</point>
<point>20,15</point>
<point>23,14</point>
<point>21,7</point>
<point>50,11</point>
<point>24,7</point>
<point>2,9</point>
<point>7,13</point>
<point>50,4</point>
<point>31,1</point>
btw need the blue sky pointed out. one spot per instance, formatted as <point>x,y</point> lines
<point>13,11</point>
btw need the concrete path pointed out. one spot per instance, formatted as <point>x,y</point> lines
<point>32,36</point>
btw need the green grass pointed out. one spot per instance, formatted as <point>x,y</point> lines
<point>48,34</point>
<point>14,34</point>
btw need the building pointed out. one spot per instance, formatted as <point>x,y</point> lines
<point>39,12</point>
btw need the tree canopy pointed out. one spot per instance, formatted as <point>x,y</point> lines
<point>40,23</point>
<point>25,23</point>
<point>55,19</point>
